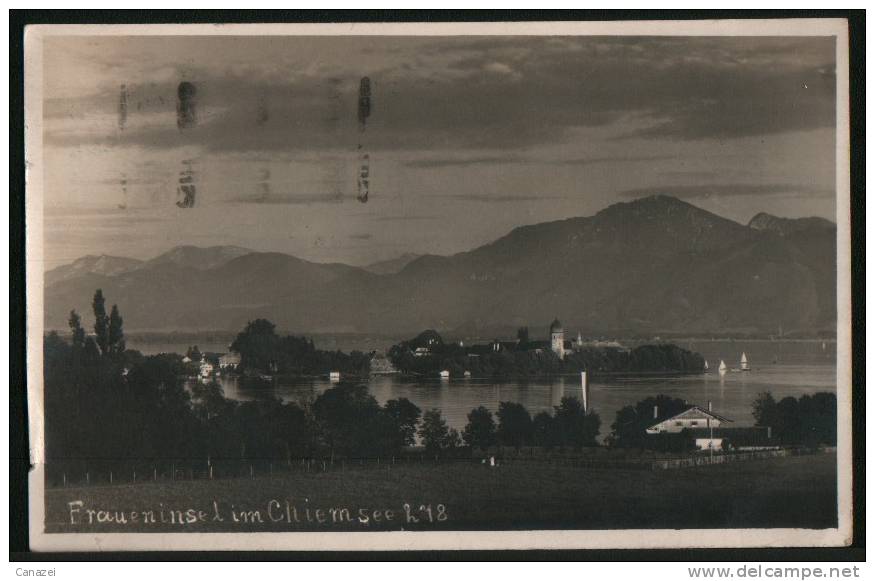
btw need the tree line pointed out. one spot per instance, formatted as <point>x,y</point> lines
<point>809,420</point>
<point>111,408</point>
<point>262,350</point>
<point>521,358</point>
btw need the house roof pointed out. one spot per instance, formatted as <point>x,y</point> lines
<point>692,410</point>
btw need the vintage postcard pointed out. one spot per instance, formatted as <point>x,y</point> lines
<point>439,286</point>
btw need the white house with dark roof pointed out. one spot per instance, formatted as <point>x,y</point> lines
<point>703,423</point>
<point>689,419</point>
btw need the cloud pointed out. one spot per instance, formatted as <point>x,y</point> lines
<point>290,199</point>
<point>722,190</point>
<point>501,198</point>
<point>434,94</point>
<point>404,218</point>
<point>510,158</point>
<point>611,159</point>
<point>466,161</point>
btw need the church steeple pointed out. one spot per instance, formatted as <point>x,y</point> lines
<point>557,338</point>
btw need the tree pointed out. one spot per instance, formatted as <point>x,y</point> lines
<point>258,345</point>
<point>544,430</point>
<point>116,338</point>
<point>514,424</point>
<point>764,410</point>
<point>347,416</point>
<point>522,336</point>
<point>629,427</point>
<point>101,321</point>
<point>810,420</point>
<point>404,415</point>
<point>576,428</point>
<point>480,431</point>
<point>434,433</point>
<point>75,323</point>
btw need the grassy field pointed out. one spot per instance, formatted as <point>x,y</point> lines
<point>778,492</point>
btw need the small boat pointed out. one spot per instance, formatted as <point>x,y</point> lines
<point>722,369</point>
<point>445,374</point>
<point>467,374</point>
<point>744,364</point>
<point>334,376</point>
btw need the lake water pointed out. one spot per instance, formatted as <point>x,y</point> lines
<point>784,368</point>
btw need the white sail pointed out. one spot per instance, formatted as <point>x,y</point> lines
<point>706,366</point>
<point>744,365</point>
<point>722,368</point>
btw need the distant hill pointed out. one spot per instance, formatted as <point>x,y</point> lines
<point>200,258</point>
<point>393,265</point>
<point>103,264</point>
<point>787,226</point>
<point>655,265</point>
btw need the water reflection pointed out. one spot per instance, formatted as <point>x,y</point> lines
<point>732,395</point>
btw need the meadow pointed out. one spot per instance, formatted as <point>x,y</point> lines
<point>797,491</point>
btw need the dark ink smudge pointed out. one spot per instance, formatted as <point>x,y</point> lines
<point>186,112</point>
<point>123,108</point>
<point>364,111</point>
<point>186,188</point>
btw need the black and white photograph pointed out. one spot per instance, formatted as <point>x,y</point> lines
<point>439,286</point>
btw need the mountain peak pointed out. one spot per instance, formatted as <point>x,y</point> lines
<point>392,265</point>
<point>198,257</point>
<point>103,264</point>
<point>786,226</point>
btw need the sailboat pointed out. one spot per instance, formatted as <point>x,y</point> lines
<point>744,364</point>
<point>706,366</point>
<point>722,369</point>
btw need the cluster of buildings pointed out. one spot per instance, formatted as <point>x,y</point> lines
<point>557,343</point>
<point>211,362</point>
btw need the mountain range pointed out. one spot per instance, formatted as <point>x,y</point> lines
<point>656,265</point>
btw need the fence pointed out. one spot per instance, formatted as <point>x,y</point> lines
<point>189,470</point>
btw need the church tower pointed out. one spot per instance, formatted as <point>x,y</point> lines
<point>557,338</point>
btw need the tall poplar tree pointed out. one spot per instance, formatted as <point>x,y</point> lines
<point>101,321</point>
<point>116,334</point>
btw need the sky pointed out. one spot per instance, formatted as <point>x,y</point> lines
<point>467,137</point>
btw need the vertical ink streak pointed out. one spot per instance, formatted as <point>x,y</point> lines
<point>364,101</point>
<point>186,188</point>
<point>264,185</point>
<point>364,111</point>
<point>262,114</point>
<point>124,184</point>
<point>122,120</point>
<point>122,108</point>
<point>186,110</point>
<point>334,170</point>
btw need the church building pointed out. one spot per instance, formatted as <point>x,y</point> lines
<point>557,338</point>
